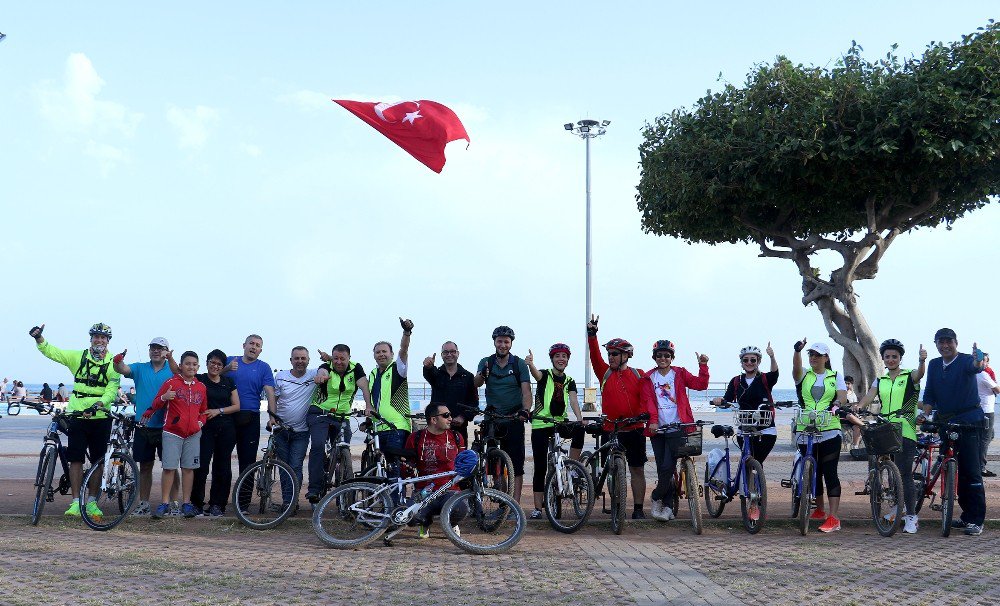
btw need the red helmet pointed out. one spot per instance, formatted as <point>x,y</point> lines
<point>557,348</point>
<point>663,345</point>
<point>619,345</point>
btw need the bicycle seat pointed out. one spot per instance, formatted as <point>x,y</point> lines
<point>720,431</point>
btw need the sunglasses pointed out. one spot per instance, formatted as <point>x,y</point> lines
<point>749,360</point>
<point>444,415</point>
<point>666,355</point>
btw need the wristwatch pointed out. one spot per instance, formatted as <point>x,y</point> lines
<point>222,411</point>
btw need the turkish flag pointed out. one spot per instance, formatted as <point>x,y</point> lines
<point>422,128</point>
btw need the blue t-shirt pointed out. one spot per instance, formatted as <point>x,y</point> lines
<point>147,383</point>
<point>250,380</point>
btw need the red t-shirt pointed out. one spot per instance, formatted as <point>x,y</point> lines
<point>186,412</point>
<point>435,454</point>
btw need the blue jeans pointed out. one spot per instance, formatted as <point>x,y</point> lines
<point>290,446</point>
<point>394,440</point>
<point>321,428</point>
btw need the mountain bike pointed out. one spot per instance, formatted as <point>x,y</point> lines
<point>884,485</point>
<point>495,467</point>
<point>374,458</point>
<point>479,520</point>
<point>115,480</point>
<point>52,451</point>
<point>337,464</point>
<point>607,463</point>
<point>944,467</point>
<point>569,489</point>
<point>258,494</point>
<point>802,480</point>
<point>686,484</point>
<point>926,465</point>
<point>720,485</point>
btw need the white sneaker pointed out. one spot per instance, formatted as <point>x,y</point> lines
<point>142,510</point>
<point>175,509</point>
<point>656,510</point>
<point>667,514</point>
<point>910,524</point>
<point>458,531</point>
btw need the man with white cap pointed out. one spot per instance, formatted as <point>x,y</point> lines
<point>146,444</point>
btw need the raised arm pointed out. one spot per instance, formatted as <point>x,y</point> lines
<point>404,342</point>
<point>530,360</point>
<point>770,354</point>
<point>797,372</point>
<point>120,366</point>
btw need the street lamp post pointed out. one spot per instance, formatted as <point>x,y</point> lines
<point>587,130</point>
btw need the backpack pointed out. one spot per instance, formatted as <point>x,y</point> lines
<point>512,362</point>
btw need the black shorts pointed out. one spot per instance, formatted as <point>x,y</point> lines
<point>511,438</point>
<point>87,436</point>
<point>147,444</point>
<point>634,443</point>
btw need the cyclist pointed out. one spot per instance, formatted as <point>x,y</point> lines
<point>898,391</point>
<point>435,448</point>
<point>821,388</point>
<point>390,395</point>
<point>750,394</point>
<point>620,398</point>
<point>251,376</point>
<point>453,385</point>
<point>664,398</point>
<point>334,393</point>
<point>951,392</point>
<point>95,382</point>
<point>147,441</point>
<point>508,391</point>
<point>555,391</point>
<point>294,390</point>
<point>218,437</point>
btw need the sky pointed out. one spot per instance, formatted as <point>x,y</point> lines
<point>178,170</point>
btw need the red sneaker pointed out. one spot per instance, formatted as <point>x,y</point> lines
<point>817,514</point>
<point>753,513</point>
<point>830,525</point>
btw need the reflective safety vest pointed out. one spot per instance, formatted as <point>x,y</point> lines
<point>829,393</point>
<point>94,381</point>
<point>900,394</point>
<point>393,398</point>
<point>337,394</point>
<point>543,400</point>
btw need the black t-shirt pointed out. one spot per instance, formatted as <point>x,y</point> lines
<point>752,396</point>
<point>219,394</point>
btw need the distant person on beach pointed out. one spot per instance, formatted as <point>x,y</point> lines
<point>20,393</point>
<point>620,399</point>
<point>751,390</point>
<point>253,377</point>
<point>3,390</point>
<point>147,442</point>
<point>508,391</point>
<point>454,386</point>
<point>46,393</point>
<point>62,394</point>
<point>390,394</point>
<point>95,383</point>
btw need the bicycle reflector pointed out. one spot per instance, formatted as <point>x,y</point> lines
<point>465,463</point>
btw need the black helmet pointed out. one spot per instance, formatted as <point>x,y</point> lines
<point>891,344</point>
<point>101,329</point>
<point>503,331</point>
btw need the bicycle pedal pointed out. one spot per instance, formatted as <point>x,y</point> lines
<point>786,483</point>
<point>936,507</point>
<point>861,492</point>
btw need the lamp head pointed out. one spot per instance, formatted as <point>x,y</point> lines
<point>568,126</point>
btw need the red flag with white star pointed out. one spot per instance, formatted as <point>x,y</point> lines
<point>422,128</point>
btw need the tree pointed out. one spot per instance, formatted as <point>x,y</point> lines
<point>804,159</point>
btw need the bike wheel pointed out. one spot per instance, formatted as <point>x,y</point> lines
<point>352,515</point>
<point>589,462</point>
<point>886,498</point>
<point>619,492</point>
<point>715,489</point>
<point>805,495</point>
<point>43,480</point>
<point>116,494</point>
<point>464,514</point>
<point>498,471</point>
<point>13,409</point>
<point>948,496</point>
<point>569,508</point>
<point>921,475</point>
<point>346,467</point>
<point>693,498</point>
<point>257,498</point>
<point>756,487</point>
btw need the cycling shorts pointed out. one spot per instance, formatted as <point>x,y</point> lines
<point>87,437</point>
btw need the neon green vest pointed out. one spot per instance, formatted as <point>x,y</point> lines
<point>338,393</point>
<point>394,398</point>
<point>543,402</point>
<point>900,394</point>
<point>93,380</point>
<point>808,403</point>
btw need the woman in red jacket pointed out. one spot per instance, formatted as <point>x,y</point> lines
<point>664,397</point>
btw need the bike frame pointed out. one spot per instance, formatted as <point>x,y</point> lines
<point>120,442</point>
<point>798,470</point>
<point>735,485</point>
<point>397,486</point>
<point>947,453</point>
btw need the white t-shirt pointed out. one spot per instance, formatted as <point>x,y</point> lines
<point>294,395</point>
<point>985,385</point>
<point>666,400</point>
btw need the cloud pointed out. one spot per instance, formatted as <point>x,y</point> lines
<point>254,151</point>
<point>108,156</point>
<point>314,101</point>
<point>75,107</point>
<point>192,125</point>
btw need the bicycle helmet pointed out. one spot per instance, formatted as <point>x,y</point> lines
<point>750,349</point>
<point>557,348</point>
<point>101,329</point>
<point>619,345</point>
<point>891,344</point>
<point>663,345</point>
<point>503,331</point>
<point>465,463</point>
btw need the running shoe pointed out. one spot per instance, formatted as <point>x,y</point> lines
<point>638,515</point>
<point>973,530</point>
<point>162,511</point>
<point>141,510</point>
<point>188,510</point>
<point>93,510</point>
<point>989,474</point>
<point>536,514</point>
<point>831,524</point>
<point>753,513</point>
<point>175,509</point>
<point>817,514</point>
<point>958,523</point>
<point>656,510</point>
<point>423,532</point>
<point>214,511</point>
<point>74,508</point>
<point>910,524</point>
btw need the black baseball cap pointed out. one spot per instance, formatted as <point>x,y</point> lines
<point>945,333</point>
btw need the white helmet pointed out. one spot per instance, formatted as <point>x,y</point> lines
<point>750,349</point>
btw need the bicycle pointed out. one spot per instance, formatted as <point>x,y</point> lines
<point>802,480</point>
<point>494,467</point>
<point>52,451</point>
<point>925,465</point>
<point>720,485</point>
<point>267,479</point>
<point>569,489</point>
<point>337,464</point>
<point>118,485</point>
<point>479,520</point>
<point>607,463</point>
<point>685,478</point>
<point>374,461</point>
<point>884,484</point>
<point>945,468</point>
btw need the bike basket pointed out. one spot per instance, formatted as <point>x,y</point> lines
<point>690,444</point>
<point>819,418</point>
<point>753,420</point>
<point>883,438</point>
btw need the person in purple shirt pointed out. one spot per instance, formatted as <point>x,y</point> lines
<point>251,376</point>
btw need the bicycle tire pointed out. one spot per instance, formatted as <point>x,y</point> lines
<point>693,498</point>
<point>43,482</point>
<point>716,485</point>
<point>805,495</point>
<point>756,484</point>
<point>258,485</point>
<point>117,493</point>
<point>886,498</point>
<point>571,516</point>
<point>340,527</point>
<point>462,510</point>
<point>13,409</point>
<point>589,462</point>
<point>922,466</point>
<point>346,467</point>
<point>619,492</point>
<point>948,496</point>
<point>498,471</point>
